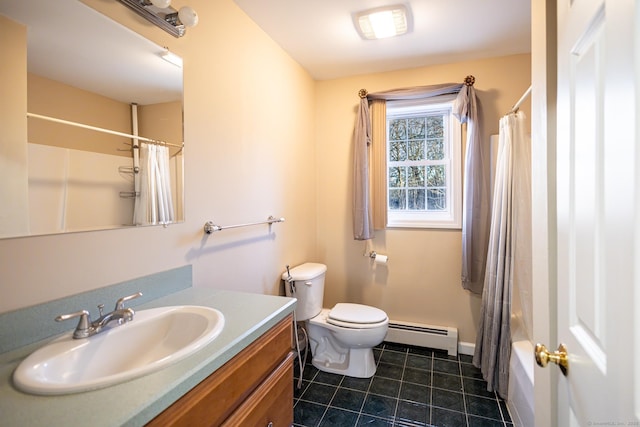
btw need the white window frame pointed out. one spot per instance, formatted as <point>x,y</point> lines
<point>452,217</point>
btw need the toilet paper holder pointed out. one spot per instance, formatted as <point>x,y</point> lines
<point>373,255</point>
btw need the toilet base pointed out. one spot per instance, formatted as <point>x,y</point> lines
<point>342,350</point>
<point>357,362</point>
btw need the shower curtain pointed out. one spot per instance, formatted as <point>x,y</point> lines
<point>493,343</point>
<point>154,204</point>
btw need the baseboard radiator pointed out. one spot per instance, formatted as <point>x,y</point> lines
<point>438,337</point>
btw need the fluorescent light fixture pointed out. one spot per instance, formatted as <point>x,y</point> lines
<point>171,58</point>
<point>383,22</point>
<point>160,13</point>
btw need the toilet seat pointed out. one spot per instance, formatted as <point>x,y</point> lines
<point>356,316</point>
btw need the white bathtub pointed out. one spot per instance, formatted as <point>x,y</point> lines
<point>520,394</point>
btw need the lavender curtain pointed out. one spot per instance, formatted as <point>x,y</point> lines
<point>475,220</point>
<point>362,212</point>
<point>476,205</point>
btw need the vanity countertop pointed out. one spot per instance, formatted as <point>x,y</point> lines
<point>135,402</point>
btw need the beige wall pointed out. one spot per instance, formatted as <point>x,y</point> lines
<point>247,109</point>
<point>48,97</point>
<point>54,99</point>
<point>13,126</point>
<point>262,138</point>
<point>421,282</point>
<point>163,122</point>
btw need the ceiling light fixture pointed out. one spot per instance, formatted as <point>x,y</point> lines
<point>163,15</point>
<point>383,22</point>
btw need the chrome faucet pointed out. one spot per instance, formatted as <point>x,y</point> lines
<point>87,328</point>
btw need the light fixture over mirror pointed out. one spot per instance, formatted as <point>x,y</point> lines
<point>160,13</point>
<point>383,22</point>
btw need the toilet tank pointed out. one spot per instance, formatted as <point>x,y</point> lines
<point>308,289</point>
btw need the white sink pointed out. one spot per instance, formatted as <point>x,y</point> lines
<point>154,339</point>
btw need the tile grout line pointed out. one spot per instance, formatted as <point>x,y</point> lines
<point>430,403</point>
<point>366,393</point>
<point>330,400</point>
<point>464,393</point>
<point>404,364</point>
<point>395,409</point>
<point>504,421</point>
<point>303,388</point>
<point>495,398</point>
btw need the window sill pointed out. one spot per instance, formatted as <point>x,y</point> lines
<point>424,225</point>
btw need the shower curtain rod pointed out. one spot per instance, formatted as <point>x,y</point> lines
<point>109,131</point>
<point>516,106</point>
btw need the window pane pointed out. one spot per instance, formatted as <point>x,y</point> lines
<point>397,176</point>
<point>436,199</point>
<point>435,127</point>
<point>415,200</point>
<point>398,151</point>
<point>436,176</point>
<point>416,176</point>
<point>397,129</point>
<point>416,128</point>
<point>416,150</point>
<point>423,145</point>
<point>397,199</point>
<point>435,149</point>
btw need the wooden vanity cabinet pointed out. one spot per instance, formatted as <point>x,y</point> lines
<point>255,388</point>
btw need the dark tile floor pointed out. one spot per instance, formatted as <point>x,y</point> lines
<point>413,386</point>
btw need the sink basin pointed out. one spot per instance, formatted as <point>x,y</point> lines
<point>154,339</point>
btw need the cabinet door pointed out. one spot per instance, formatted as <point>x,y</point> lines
<point>271,404</point>
<point>213,400</point>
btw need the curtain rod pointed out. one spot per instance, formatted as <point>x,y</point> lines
<point>468,81</point>
<point>109,131</point>
<point>516,106</point>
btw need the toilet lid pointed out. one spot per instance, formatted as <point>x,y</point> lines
<point>356,314</point>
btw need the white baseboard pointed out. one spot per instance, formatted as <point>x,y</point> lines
<point>467,348</point>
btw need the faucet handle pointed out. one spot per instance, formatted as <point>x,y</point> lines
<point>121,301</point>
<point>82,330</point>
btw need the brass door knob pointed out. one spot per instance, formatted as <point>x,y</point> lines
<point>559,357</point>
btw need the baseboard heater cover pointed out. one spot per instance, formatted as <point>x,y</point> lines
<point>438,337</point>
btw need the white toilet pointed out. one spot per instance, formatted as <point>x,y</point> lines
<point>341,338</point>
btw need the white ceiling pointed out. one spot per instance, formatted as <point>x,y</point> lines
<point>70,42</point>
<point>319,34</point>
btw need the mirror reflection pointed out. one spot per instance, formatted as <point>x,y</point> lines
<point>93,119</point>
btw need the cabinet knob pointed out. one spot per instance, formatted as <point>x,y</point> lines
<point>270,424</point>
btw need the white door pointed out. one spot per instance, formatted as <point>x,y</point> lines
<point>598,215</point>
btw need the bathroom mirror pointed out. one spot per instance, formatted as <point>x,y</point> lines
<point>67,61</point>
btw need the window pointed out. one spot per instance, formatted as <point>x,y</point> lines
<point>423,164</point>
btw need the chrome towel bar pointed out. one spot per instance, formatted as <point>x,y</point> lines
<point>210,227</point>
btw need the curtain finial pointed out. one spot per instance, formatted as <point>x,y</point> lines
<point>362,93</point>
<point>469,80</point>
